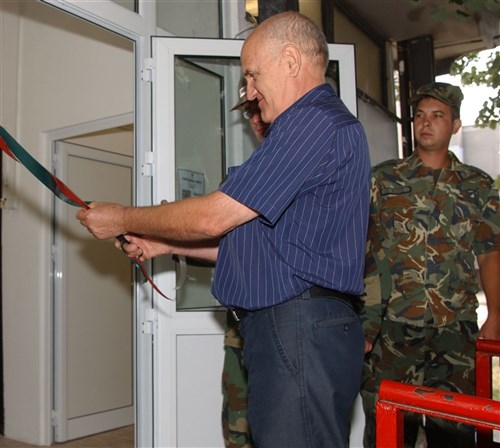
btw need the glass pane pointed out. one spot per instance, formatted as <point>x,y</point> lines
<point>194,18</point>
<point>208,138</point>
<point>129,4</point>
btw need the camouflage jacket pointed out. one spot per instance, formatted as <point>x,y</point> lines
<point>426,227</point>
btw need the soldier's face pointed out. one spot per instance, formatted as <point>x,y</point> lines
<point>434,124</point>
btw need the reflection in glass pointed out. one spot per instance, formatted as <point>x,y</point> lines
<point>132,5</point>
<point>193,18</point>
<point>208,138</point>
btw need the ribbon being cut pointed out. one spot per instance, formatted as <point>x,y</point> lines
<point>14,150</point>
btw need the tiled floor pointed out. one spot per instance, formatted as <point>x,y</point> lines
<point>119,438</point>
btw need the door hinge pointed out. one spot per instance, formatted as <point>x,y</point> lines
<point>147,164</point>
<point>147,71</point>
<point>53,418</point>
<point>54,251</point>
<point>148,325</point>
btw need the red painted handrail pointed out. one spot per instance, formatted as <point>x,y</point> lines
<point>394,398</point>
<point>485,350</point>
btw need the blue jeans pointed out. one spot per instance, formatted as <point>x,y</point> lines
<point>304,360</point>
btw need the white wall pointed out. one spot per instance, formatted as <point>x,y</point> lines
<point>65,75</point>
<point>482,148</point>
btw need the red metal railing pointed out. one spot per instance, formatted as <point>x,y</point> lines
<point>394,398</point>
<point>485,350</point>
<point>480,410</point>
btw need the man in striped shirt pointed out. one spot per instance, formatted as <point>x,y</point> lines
<point>235,426</point>
<point>291,224</point>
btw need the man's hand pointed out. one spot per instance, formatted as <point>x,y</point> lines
<point>103,220</point>
<point>368,346</point>
<point>489,267</point>
<point>144,248</point>
<point>491,328</point>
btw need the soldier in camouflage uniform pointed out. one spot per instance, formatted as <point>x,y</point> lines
<point>431,218</point>
<point>234,375</point>
<point>234,388</point>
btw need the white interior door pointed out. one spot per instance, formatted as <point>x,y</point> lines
<point>195,138</point>
<point>93,306</point>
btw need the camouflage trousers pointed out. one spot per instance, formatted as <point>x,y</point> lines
<point>441,357</point>
<point>234,389</point>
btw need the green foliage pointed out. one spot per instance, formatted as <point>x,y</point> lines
<point>467,66</point>
<point>472,72</point>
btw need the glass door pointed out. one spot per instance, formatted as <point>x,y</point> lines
<point>199,155</point>
<point>196,137</point>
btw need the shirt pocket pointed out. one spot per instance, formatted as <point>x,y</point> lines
<point>396,219</point>
<point>461,219</point>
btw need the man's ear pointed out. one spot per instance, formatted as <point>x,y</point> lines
<point>457,124</point>
<point>292,59</point>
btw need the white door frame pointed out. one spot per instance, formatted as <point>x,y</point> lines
<point>48,142</point>
<point>105,400</point>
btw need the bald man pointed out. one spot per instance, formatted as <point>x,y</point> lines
<point>291,224</point>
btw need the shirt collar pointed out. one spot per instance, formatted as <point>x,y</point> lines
<point>322,91</point>
<point>414,162</point>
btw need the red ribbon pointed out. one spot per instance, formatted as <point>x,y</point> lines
<point>14,150</point>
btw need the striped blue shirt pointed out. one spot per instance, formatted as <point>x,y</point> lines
<point>309,182</point>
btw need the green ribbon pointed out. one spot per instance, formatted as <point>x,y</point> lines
<point>14,150</point>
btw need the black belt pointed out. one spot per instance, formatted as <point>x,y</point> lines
<point>355,302</point>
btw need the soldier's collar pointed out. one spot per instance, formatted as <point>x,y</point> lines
<point>414,162</point>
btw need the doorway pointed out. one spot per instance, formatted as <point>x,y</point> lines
<point>92,293</point>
